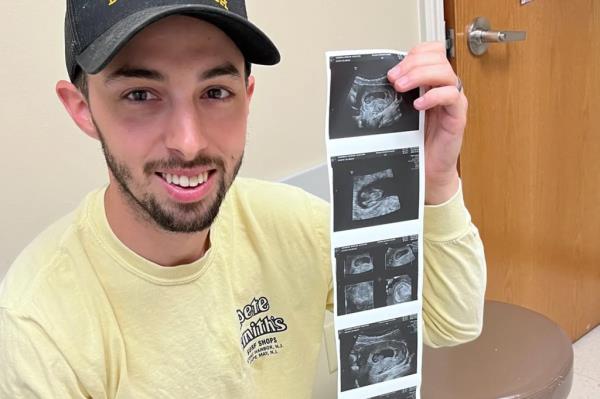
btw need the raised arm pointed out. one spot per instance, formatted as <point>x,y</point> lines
<point>455,270</point>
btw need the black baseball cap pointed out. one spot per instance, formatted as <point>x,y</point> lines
<point>95,30</point>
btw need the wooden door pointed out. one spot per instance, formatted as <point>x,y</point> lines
<point>531,159</point>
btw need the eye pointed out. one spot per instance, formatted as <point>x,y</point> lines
<point>218,93</point>
<point>140,96</point>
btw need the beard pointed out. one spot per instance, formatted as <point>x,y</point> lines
<point>179,218</point>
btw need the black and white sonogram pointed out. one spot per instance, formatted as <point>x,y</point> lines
<point>378,352</point>
<point>400,256</point>
<point>398,289</point>
<point>358,263</point>
<point>363,102</point>
<point>375,102</point>
<point>359,297</point>
<point>406,393</point>
<point>369,196</point>
<point>364,280</point>
<point>375,188</point>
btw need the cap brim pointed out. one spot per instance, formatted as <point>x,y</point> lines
<point>256,47</point>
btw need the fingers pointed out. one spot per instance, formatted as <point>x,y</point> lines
<point>454,102</point>
<point>426,75</point>
<point>425,65</point>
<point>411,62</point>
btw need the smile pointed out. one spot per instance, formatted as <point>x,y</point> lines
<point>187,188</point>
<point>185,181</point>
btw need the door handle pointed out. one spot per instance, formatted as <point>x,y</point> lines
<point>480,35</point>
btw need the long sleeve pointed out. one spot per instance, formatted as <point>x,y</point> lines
<point>33,367</point>
<point>454,275</point>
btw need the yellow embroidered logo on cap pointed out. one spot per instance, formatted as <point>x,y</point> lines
<point>111,2</point>
<point>223,3</point>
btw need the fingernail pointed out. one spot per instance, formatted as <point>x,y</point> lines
<point>403,81</point>
<point>394,73</point>
<point>419,102</point>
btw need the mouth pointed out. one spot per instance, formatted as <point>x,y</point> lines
<point>185,182</point>
<point>186,187</point>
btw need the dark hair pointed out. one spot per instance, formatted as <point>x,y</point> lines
<point>81,82</point>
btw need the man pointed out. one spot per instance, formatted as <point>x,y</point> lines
<point>163,283</point>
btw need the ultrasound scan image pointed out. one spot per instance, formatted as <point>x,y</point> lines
<point>359,297</point>
<point>378,358</point>
<point>363,102</point>
<point>407,393</point>
<point>398,290</point>
<point>370,199</point>
<point>396,257</point>
<point>358,264</point>
<point>375,102</point>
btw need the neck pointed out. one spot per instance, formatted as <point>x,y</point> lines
<point>144,237</point>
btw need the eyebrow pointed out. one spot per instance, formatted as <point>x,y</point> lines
<point>221,70</point>
<point>130,72</point>
<point>225,69</point>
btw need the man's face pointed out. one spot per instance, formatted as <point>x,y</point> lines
<point>171,112</point>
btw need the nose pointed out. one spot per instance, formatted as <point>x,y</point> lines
<point>186,134</point>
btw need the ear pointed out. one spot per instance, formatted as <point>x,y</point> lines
<point>250,89</point>
<point>77,106</point>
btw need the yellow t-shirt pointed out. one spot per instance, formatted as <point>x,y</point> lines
<point>82,316</point>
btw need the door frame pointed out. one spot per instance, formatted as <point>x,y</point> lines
<point>433,26</point>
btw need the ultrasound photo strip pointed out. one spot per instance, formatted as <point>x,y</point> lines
<point>375,142</point>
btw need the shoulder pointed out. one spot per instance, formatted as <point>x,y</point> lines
<point>277,199</point>
<point>33,263</point>
<point>285,221</point>
<point>280,213</point>
<point>45,267</point>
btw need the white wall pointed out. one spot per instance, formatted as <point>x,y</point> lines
<point>47,165</point>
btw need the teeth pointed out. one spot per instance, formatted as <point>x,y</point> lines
<point>185,181</point>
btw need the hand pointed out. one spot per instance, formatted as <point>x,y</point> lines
<point>426,66</point>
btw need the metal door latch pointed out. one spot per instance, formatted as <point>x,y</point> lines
<point>450,49</point>
<point>479,36</point>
